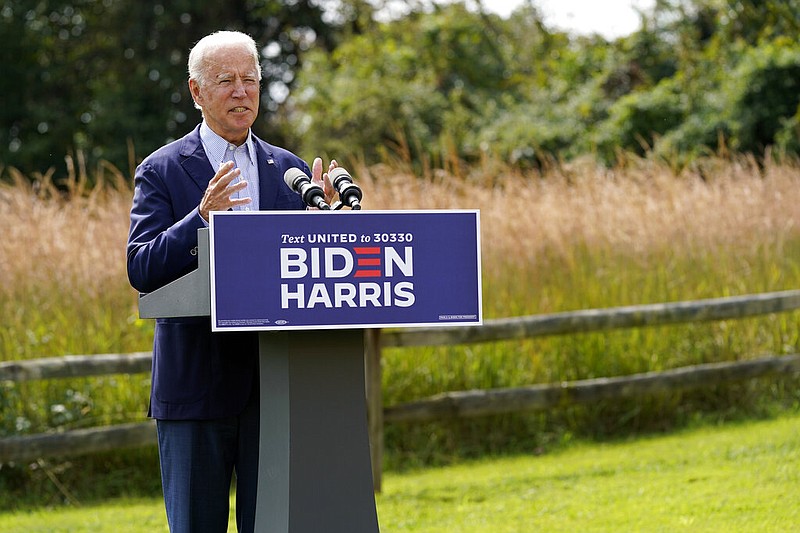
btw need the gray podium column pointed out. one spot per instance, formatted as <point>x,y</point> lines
<point>315,473</point>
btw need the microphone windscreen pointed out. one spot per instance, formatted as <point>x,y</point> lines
<point>338,174</point>
<point>291,175</point>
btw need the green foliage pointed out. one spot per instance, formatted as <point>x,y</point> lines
<point>764,93</point>
<point>753,108</point>
<point>528,134</point>
<point>109,78</point>
<point>423,78</point>
<point>637,119</point>
<point>432,86</point>
<point>696,75</point>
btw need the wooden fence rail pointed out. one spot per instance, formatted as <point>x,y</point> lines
<point>466,404</point>
<point>448,405</point>
<point>583,321</point>
<point>77,442</point>
<point>590,320</point>
<point>451,404</point>
<point>76,366</point>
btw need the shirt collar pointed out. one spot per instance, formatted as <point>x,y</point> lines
<point>215,146</point>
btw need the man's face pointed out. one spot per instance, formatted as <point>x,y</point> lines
<point>230,92</point>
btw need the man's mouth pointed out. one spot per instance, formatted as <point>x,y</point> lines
<point>239,109</point>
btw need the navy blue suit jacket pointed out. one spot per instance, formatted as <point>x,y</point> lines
<point>197,374</point>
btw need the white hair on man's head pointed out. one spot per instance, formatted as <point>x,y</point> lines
<point>197,55</point>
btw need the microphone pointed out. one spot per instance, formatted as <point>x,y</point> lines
<point>312,194</point>
<point>349,193</point>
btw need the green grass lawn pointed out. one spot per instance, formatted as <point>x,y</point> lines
<point>734,478</point>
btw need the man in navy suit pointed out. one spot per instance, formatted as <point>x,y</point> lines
<point>204,393</point>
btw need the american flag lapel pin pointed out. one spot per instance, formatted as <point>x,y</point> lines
<point>270,161</point>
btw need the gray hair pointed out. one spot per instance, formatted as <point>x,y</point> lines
<point>197,55</point>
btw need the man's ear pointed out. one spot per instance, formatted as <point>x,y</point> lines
<point>194,89</point>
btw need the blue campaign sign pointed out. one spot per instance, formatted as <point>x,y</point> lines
<point>344,269</point>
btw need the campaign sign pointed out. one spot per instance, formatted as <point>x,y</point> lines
<point>344,269</point>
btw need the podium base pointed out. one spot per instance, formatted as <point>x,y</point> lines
<point>314,460</point>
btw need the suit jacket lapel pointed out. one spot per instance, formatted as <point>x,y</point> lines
<point>195,161</point>
<point>270,174</point>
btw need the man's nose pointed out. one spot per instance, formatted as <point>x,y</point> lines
<point>239,88</point>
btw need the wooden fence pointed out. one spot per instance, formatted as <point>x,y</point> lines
<point>451,404</point>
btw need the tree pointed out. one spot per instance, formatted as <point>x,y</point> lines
<point>421,83</point>
<point>107,77</point>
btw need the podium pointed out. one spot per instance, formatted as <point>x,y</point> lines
<point>314,471</point>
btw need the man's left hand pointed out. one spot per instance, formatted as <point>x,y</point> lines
<point>323,180</point>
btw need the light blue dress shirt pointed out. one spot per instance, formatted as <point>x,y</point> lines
<point>218,150</point>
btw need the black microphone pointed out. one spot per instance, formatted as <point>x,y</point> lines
<point>349,193</point>
<point>311,193</point>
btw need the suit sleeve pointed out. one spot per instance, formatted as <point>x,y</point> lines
<point>162,242</point>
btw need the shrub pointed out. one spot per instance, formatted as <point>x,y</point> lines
<point>763,96</point>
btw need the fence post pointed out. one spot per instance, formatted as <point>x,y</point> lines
<point>374,392</point>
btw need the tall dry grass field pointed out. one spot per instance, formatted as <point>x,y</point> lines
<point>574,236</point>
<point>63,291</point>
<point>62,265</point>
<point>642,211</point>
<point>578,236</point>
